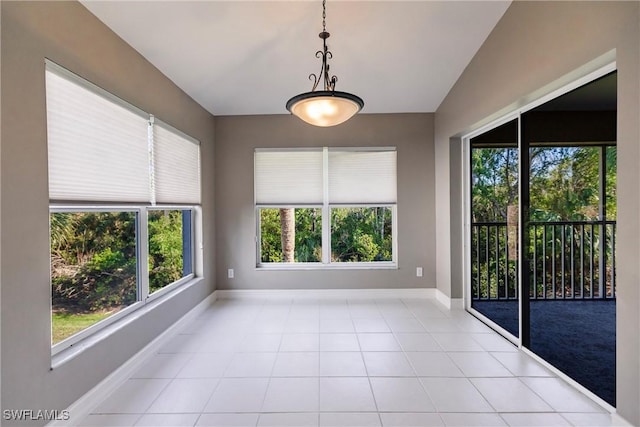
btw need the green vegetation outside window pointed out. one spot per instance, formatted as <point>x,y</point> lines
<point>94,263</point>
<point>361,234</point>
<point>93,268</point>
<point>170,246</point>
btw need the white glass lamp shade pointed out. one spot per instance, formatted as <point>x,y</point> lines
<point>325,108</point>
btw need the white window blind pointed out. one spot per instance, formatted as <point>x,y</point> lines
<point>288,177</point>
<point>362,176</point>
<point>98,149</point>
<point>176,166</point>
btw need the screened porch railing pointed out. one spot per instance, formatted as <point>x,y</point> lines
<point>568,259</point>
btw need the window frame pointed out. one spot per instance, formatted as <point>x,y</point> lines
<point>326,207</point>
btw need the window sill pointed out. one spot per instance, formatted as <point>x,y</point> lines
<point>333,266</point>
<point>64,355</point>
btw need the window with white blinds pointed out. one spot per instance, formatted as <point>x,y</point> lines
<point>130,183</point>
<point>102,149</point>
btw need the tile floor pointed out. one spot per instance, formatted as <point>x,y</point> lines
<point>383,362</point>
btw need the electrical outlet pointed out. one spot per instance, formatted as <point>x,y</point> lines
<point>418,271</point>
<point>230,273</point>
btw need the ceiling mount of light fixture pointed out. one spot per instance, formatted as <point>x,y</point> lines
<point>326,107</point>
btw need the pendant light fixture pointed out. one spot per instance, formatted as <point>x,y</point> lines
<point>326,107</point>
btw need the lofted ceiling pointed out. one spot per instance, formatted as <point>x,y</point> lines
<point>250,57</point>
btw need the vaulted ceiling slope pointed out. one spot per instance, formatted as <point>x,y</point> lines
<point>249,57</point>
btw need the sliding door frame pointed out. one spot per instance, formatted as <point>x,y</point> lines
<point>467,205</point>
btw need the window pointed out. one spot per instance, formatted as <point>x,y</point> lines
<point>124,193</point>
<point>325,207</point>
<point>303,226</point>
<point>362,234</point>
<point>93,267</point>
<point>170,247</point>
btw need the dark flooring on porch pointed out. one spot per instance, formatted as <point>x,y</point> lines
<point>576,336</point>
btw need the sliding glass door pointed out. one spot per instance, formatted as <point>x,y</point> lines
<point>542,230</point>
<point>570,227</point>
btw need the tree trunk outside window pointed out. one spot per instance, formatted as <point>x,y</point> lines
<point>288,236</point>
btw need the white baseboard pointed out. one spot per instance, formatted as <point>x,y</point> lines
<point>449,303</point>
<point>83,406</point>
<point>325,293</point>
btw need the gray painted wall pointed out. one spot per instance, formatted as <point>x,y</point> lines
<point>236,139</point>
<point>68,34</point>
<point>540,45</point>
